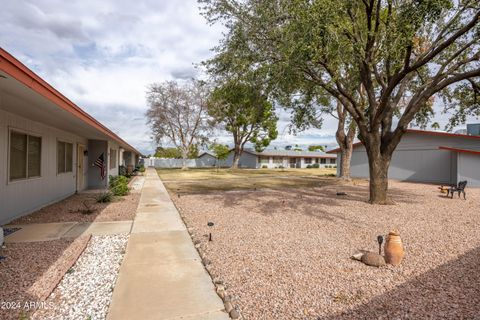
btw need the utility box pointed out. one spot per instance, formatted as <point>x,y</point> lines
<point>473,129</point>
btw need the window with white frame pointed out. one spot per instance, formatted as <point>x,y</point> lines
<point>25,156</point>
<point>113,158</point>
<point>333,160</point>
<point>308,160</point>
<point>323,160</point>
<point>64,157</point>
<point>277,160</point>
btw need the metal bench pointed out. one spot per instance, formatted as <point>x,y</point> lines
<point>460,188</point>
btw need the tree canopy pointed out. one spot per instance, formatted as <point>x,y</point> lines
<point>383,60</point>
<point>175,153</point>
<point>177,114</point>
<point>245,112</point>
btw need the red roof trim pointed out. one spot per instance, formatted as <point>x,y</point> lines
<point>443,134</point>
<point>460,150</point>
<point>431,133</point>
<point>337,150</point>
<point>17,70</point>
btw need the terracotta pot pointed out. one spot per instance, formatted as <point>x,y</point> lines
<point>394,249</point>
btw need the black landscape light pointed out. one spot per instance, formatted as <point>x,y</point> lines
<point>210,224</point>
<point>380,241</point>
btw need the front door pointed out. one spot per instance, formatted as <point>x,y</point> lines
<point>80,167</point>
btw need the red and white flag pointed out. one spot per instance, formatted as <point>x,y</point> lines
<point>100,162</point>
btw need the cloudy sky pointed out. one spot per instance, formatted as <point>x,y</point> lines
<point>103,55</point>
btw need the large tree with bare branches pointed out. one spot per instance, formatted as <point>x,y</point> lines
<point>177,114</point>
<point>383,60</point>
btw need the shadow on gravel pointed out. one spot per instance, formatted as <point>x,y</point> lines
<point>312,201</point>
<point>450,291</point>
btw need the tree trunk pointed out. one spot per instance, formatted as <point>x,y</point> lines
<point>345,158</point>
<point>236,159</point>
<point>378,166</point>
<point>184,160</point>
<point>345,141</point>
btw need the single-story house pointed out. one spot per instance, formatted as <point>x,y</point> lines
<point>428,156</point>
<point>49,147</point>
<point>281,159</point>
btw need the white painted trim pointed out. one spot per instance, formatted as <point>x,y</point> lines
<point>56,156</point>
<point>109,158</point>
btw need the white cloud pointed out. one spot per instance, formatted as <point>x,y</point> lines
<point>104,54</point>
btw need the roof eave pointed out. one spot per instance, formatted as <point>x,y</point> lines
<point>17,70</point>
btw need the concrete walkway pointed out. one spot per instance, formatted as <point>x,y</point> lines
<point>56,230</point>
<point>161,276</point>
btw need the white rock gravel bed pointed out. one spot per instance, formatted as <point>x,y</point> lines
<point>285,254</point>
<point>85,291</point>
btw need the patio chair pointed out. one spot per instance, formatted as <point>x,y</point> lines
<point>460,188</point>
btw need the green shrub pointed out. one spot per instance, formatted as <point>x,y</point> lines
<point>120,190</point>
<point>264,166</point>
<point>309,166</point>
<point>114,181</point>
<point>104,197</point>
<point>119,185</point>
<point>316,165</point>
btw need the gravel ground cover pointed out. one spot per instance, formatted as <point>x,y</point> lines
<point>31,271</point>
<point>69,209</point>
<point>86,290</point>
<point>285,253</point>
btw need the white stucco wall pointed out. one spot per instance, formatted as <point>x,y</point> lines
<point>114,146</point>
<point>21,197</point>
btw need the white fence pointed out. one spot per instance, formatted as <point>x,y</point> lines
<point>203,162</point>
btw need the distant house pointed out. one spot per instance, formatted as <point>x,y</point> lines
<point>206,159</point>
<point>428,156</point>
<point>282,159</point>
<point>49,147</point>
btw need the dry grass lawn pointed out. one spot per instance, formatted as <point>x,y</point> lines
<point>211,180</point>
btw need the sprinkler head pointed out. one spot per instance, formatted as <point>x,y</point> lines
<point>210,224</point>
<point>380,241</point>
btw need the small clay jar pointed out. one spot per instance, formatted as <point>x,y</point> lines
<point>394,249</point>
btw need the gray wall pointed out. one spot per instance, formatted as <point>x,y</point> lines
<point>206,160</point>
<point>247,160</point>
<point>95,149</point>
<point>417,158</point>
<point>469,168</point>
